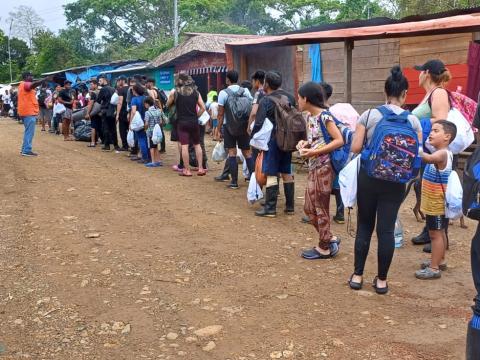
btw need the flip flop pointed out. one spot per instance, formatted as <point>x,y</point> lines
<point>202,173</point>
<point>184,173</point>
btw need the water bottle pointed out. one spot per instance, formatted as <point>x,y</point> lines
<point>398,233</point>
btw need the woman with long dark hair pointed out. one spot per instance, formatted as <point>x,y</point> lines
<point>378,200</point>
<point>311,100</point>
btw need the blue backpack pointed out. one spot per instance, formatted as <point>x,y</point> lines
<point>392,154</point>
<point>339,157</point>
<point>471,186</point>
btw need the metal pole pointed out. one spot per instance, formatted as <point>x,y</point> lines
<point>175,22</point>
<point>9,52</point>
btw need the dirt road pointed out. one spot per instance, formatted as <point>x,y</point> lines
<point>174,256</point>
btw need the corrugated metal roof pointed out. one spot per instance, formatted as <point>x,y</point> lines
<point>83,67</point>
<point>452,24</point>
<point>199,42</point>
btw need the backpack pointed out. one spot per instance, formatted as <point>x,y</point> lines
<point>161,96</point>
<point>42,96</point>
<point>471,186</point>
<point>392,154</point>
<point>237,111</point>
<point>339,157</point>
<point>291,126</point>
<point>461,102</point>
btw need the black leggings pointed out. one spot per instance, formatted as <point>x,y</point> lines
<point>381,200</point>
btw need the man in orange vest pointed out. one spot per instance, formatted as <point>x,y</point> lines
<point>28,110</point>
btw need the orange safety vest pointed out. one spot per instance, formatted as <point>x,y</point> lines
<point>27,101</point>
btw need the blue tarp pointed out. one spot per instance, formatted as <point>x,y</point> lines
<point>316,58</point>
<point>87,74</point>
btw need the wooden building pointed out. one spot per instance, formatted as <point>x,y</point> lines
<point>202,56</point>
<point>356,57</point>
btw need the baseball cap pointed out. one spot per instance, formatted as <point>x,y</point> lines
<point>101,76</point>
<point>122,77</point>
<point>436,67</point>
<point>67,82</point>
<point>26,73</point>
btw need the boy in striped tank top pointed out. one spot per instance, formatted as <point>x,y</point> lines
<point>434,185</point>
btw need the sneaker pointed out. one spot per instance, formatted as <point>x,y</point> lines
<point>104,148</point>
<point>339,219</point>
<point>233,186</point>
<point>428,274</point>
<point>222,178</point>
<point>30,153</point>
<point>153,164</point>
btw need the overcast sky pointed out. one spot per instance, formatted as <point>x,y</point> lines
<point>51,11</point>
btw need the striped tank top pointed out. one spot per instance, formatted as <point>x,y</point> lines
<point>433,180</point>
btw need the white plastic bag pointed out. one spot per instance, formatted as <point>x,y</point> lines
<point>203,119</point>
<point>261,138</point>
<point>453,197</point>
<point>131,138</point>
<point>157,134</point>
<point>137,122</point>
<point>219,153</point>
<point>254,192</point>
<point>347,179</point>
<point>464,136</point>
<point>114,99</point>
<point>59,108</point>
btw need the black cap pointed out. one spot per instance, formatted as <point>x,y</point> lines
<point>101,76</point>
<point>122,77</point>
<point>435,67</point>
<point>67,82</point>
<point>26,73</point>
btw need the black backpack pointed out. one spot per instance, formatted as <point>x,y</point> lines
<point>471,186</point>
<point>42,96</point>
<point>237,112</point>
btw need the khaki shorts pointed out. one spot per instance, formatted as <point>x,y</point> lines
<point>67,114</point>
<point>45,114</point>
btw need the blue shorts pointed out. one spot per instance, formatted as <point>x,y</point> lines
<point>276,161</point>
<point>214,123</point>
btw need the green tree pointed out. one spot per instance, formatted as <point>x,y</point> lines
<point>19,53</point>
<point>52,52</point>
<point>360,10</point>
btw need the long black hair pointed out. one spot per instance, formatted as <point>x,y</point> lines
<point>313,93</point>
<point>396,83</point>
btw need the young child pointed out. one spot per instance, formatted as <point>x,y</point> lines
<point>153,116</point>
<point>434,185</point>
<point>213,110</point>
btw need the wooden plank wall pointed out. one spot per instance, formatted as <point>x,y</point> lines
<point>372,60</point>
<point>451,49</point>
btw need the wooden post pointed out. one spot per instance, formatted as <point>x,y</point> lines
<point>209,81</point>
<point>243,67</point>
<point>219,81</point>
<point>348,48</point>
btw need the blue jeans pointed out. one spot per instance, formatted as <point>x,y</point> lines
<point>29,124</point>
<point>143,144</point>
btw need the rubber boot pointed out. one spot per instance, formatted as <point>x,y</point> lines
<point>423,238</point>
<point>225,176</point>
<point>473,339</point>
<point>289,189</point>
<point>233,166</point>
<point>250,165</point>
<point>270,208</point>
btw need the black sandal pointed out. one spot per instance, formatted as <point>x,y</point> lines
<point>379,291</point>
<point>355,285</point>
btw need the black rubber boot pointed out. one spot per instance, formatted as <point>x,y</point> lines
<point>289,189</point>
<point>233,166</point>
<point>270,208</point>
<point>422,239</point>
<point>225,176</point>
<point>473,343</point>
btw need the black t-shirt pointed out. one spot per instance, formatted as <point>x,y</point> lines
<point>104,96</point>
<point>123,91</point>
<point>266,108</point>
<point>66,95</point>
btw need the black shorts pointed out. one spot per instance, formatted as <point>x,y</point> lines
<point>174,132</point>
<point>96,122</point>
<point>151,145</point>
<point>436,222</point>
<point>231,142</point>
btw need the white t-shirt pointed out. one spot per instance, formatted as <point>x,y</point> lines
<point>214,110</point>
<point>223,96</point>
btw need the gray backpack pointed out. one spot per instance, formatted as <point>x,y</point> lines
<point>237,112</point>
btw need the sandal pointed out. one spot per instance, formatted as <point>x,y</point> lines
<point>202,172</point>
<point>314,254</point>
<point>379,291</point>
<point>186,173</point>
<point>355,285</point>
<point>91,145</point>
<point>428,263</point>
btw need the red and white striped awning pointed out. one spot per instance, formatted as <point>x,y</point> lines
<point>206,70</point>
